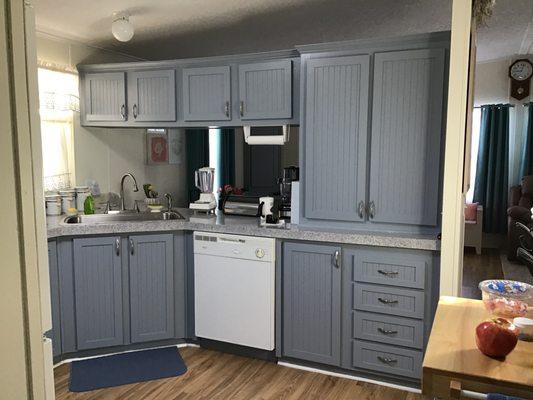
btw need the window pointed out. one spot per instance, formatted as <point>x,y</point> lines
<point>58,98</point>
<point>476,125</point>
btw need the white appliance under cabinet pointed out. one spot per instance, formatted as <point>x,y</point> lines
<point>234,289</point>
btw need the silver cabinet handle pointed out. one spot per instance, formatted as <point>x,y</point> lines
<point>387,332</point>
<point>117,246</point>
<point>226,109</point>
<point>387,273</point>
<point>131,247</point>
<point>371,209</point>
<point>336,259</point>
<point>387,360</point>
<point>135,111</point>
<point>361,209</point>
<point>123,111</point>
<point>387,301</point>
<point>241,108</point>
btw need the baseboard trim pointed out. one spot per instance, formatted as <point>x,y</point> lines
<point>68,360</point>
<point>347,376</point>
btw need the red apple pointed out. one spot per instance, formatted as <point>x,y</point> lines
<point>496,337</point>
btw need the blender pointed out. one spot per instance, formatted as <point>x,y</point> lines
<point>204,179</point>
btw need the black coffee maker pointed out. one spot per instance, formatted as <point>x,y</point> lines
<point>289,175</point>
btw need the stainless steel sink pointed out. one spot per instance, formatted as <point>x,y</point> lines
<point>122,217</point>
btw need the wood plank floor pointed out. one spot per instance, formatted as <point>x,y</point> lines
<point>212,375</point>
<point>477,268</point>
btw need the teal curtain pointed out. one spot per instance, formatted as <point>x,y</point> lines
<point>526,163</point>
<point>197,143</point>
<point>492,174</point>
<point>226,161</point>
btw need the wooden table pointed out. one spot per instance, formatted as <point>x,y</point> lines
<point>453,361</point>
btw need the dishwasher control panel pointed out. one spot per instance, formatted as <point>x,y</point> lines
<point>235,246</point>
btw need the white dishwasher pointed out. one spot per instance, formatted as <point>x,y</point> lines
<point>234,289</point>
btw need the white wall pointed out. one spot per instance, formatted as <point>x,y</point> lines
<point>492,82</point>
<point>102,154</point>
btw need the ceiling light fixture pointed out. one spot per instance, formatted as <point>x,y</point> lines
<point>121,27</point>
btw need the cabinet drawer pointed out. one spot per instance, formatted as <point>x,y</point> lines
<point>390,267</point>
<point>388,300</point>
<point>386,329</point>
<point>387,359</point>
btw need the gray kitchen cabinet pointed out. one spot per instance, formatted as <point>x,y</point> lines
<point>105,97</point>
<point>152,95</point>
<point>406,135</point>
<point>151,287</point>
<point>98,292</point>
<point>54,297</point>
<point>207,94</point>
<point>312,302</point>
<point>336,108</point>
<point>265,90</point>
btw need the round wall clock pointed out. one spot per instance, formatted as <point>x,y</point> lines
<point>520,73</point>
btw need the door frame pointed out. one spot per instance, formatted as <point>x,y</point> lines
<point>462,61</point>
<point>27,360</point>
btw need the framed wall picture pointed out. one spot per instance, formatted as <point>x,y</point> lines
<point>156,146</point>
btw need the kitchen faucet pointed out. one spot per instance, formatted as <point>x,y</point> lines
<point>169,201</point>
<point>135,189</point>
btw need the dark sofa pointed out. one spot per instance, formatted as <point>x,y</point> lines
<point>520,203</point>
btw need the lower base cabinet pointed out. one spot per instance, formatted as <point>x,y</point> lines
<point>312,303</point>
<point>98,292</point>
<point>115,290</point>
<point>371,313</point>
<point>151,287</point>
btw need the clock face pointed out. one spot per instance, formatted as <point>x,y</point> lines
<point>521,70</point>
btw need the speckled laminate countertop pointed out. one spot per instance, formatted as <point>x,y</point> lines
<point>243,226</point>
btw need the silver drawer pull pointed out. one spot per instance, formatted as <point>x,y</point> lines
<point>387,332</point>
<point>387,301</point>
<point>241,108</point>
<point>117,246</point>
<point>387,273</point>
<point>387,360</point>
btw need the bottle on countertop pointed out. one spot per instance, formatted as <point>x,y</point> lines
<point>88,205</point>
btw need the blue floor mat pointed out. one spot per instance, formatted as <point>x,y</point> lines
<point>122,369</point>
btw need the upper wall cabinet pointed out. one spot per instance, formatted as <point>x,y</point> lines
<point>336,137</point>
<point>207,94</point>
<point>372,133</point>
<point>152,95</point>
<point>105,97</point>
<point>265,90</point>
<point>406,135</point>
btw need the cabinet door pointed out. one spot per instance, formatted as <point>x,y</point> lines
<point>265,90</point>
<point>311,303</point>
<point>151,287</point>
<point>336,137</point>
<point>206,94</point>
<point>54,298</point>
<point>406,136</point>
<point>152,95</point>
<point>105,96</point>
<point>98,292</point>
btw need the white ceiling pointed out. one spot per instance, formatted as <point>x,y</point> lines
<point>166,29</point>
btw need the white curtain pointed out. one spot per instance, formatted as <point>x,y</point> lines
<point>58,97</point>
